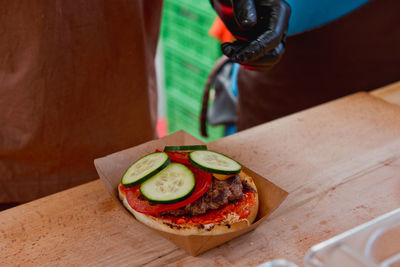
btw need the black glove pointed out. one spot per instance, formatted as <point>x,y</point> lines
<point>260,27</point>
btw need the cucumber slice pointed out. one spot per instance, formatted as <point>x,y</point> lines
<point>185,148</point>
<point>144,168</point>
<point>214,162</point>
<point>173,184</point>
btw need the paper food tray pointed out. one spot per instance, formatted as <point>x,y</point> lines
<point>112,167</point>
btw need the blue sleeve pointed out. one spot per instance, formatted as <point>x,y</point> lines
<point>308,14</point>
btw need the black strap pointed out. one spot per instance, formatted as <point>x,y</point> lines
<point>206,94</point>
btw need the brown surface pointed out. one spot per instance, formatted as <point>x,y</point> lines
<point>340,162</point>
<point>77,81</point>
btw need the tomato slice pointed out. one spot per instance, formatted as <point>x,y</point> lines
<point>179,157</point>
<point>176,156</point>
<point>203,182</point>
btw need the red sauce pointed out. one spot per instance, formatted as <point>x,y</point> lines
<point>122,188</point>
<point>241,207</point>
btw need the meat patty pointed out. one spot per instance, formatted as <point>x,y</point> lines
<point>219,194</point>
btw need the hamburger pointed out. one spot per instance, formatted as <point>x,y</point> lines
<point>189,190</point>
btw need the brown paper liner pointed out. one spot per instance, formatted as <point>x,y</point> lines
<point>112,167</point>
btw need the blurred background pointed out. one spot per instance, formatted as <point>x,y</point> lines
<point>186,55</point>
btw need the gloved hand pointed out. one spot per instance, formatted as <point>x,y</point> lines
<point>260,28</point>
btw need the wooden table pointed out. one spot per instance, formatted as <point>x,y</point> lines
<point>340,163</point>
<point>390,93</point>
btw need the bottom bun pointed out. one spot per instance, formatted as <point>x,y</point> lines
<point>230,223</point>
